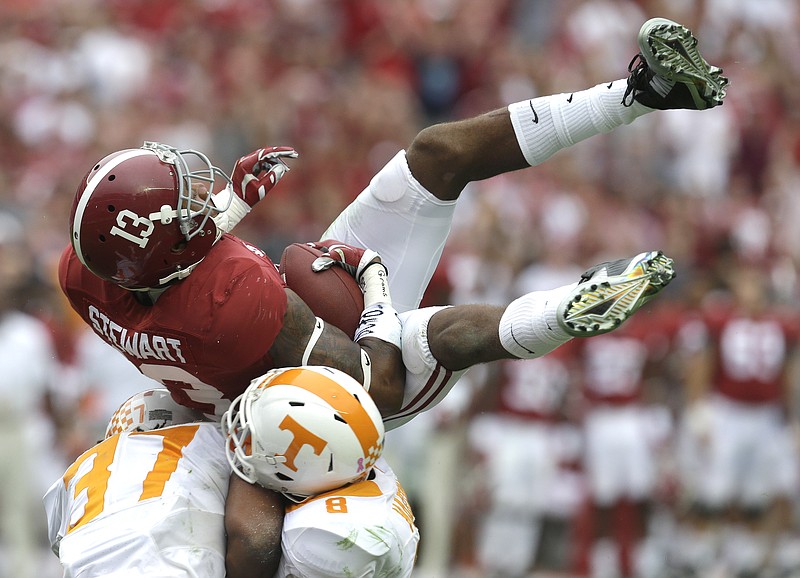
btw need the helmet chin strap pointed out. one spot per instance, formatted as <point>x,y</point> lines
<point>177,275</point>
<point>155,292</point>
<point>165,216</point>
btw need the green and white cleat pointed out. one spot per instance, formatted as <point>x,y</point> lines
<point>609,293</point>
<point>669,71</point>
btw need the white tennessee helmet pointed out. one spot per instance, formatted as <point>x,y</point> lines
<point>303,431</point>
<point>149,410</point>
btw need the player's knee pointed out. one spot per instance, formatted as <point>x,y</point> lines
<point>431,143</point>
<point>417,356</point>
<point>439,162</point>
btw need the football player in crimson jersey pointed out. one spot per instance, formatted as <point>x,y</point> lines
<point>152,268</point>
<point>623,428</point>
<point>738,451</point>
<point>524,439</point>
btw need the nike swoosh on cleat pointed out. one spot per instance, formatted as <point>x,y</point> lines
<point>570,98</point>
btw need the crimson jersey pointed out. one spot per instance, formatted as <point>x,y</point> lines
<point>205,337</point>
<point>614,366</point>
<point>537,389</point>
<point>751,353</point>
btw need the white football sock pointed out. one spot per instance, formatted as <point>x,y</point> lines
<point>547,124</point>
<point>529,326</point>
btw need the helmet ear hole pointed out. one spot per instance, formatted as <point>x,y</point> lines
<point>101,238</point>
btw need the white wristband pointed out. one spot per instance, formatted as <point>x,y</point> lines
<point>375,284</point>
<point>236,209</point>
<point>380,321</point>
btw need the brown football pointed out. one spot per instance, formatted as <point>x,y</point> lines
<point>333,295</point>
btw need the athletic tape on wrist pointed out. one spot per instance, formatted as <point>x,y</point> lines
<point>312,341</point>
<point>375,283</point>
<point>237,209</point>
<point>380,321</point>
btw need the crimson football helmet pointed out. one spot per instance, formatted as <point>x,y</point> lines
<point>303,431</point>
<point>138,220</point>
<point>150,410</point>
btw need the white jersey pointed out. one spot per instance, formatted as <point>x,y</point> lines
<point>362,530</point>
<point>143,504</point>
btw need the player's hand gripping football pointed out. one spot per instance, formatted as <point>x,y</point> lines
<point>354,260</point>
<point>255,174</point>
<point>370,273</point>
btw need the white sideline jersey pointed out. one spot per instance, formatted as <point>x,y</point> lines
<point>143,504</point>
<point>362,530</point>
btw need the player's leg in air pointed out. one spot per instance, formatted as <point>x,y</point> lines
<point>440,343</point>
<point>406,212</point>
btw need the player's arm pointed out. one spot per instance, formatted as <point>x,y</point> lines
<point>791,385</point>
<point>253,525</point>
<point>335,349</point>
<point>699,372</point>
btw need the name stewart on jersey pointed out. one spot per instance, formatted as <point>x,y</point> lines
<point>137,344</point>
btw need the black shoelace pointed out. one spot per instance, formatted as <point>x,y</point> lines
<point>638,76</point>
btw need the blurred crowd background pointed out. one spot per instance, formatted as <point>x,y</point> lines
<point>666,449</point>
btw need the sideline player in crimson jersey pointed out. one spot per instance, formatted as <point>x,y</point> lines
<point>623,428</point>
<point>152,270</point>
<point>739,456</point>
<point>524,439</point>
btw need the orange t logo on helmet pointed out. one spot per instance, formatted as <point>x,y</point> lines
<point>301,437</point>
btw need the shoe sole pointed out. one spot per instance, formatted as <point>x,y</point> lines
<point>670,50</point>
<point>602,305</point>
